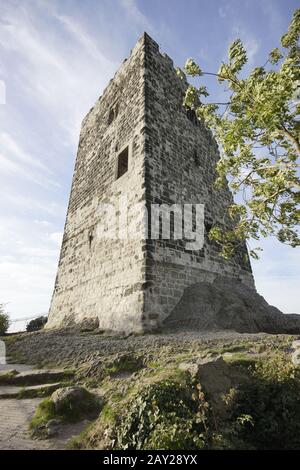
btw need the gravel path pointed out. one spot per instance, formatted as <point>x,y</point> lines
<point>69,347</point>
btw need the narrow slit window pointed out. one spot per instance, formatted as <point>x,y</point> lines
<point>111,116</point>
<point>113,113</point>
<point>196,158</point>
<point>122,163</point>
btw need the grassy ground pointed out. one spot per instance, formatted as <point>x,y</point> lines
<point>158,393</point>
<point>163,407</point>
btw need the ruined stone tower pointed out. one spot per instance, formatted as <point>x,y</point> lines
<point>138,141</point>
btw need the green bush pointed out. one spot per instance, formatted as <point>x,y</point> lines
<point>271,401</point>
<point>36,324</point>
<point>4,321</point>
<point>262,413</point>
<point>166,415</point>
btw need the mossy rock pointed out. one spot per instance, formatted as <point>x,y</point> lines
<point>68,405</point>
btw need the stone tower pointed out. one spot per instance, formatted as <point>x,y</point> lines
<point>138,142</point>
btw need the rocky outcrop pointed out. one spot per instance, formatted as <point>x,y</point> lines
<point>227,304</point>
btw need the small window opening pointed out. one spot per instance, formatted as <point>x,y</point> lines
<point>111,116</point>
<point>122,163</point>
<point>113,113</point>
<point>208,225</point>
<point>196,158</point>
<point>91,237</point>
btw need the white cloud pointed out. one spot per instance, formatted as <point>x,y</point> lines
<point>56,237</point>
<point>9,166</point>
<point>57,71</point>
<point>43,223</point>
<point>27,287</point>
<point>2,92</point>
<point>9,145</point>
<point>223,10</point>
<point>134,13</point>
<point>277,275</point>
<point>250,42</point>
<point>84,39</point>
<point>24,203</point>
<point>28,263</point>
<point>252,47</point>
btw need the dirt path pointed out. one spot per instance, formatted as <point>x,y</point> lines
<point>15,415</point>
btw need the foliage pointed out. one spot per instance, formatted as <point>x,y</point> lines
<point>263,413</point>
<point>166,415</point>
<point>166,408</point>
<point>44,413</point>
<point>258,136</point>
<point>36,324</point>
<point>4,321</point>
<point>270,407</point>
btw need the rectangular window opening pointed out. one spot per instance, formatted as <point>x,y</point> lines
<point>122,163</point>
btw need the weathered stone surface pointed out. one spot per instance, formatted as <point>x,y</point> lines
<point>35,377</point>
<point>53,427</point>
<point>296,344</point>
<point>9,391</point>
<point>229,304</point>
<point>71,397</point>
<point>215,377</point>
<point>133,284</point>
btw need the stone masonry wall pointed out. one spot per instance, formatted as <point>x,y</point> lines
<point>102,278</point>
<point>134,284</point>
<point>180,168</point>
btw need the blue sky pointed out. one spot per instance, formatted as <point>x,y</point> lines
<point>55,59</point>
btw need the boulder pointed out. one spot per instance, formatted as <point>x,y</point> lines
<point>228,304</point>
<point>215,377</point>
<point>73,397</point>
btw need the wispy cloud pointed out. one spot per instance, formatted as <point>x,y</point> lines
<point>56,71</point>
<point>251,43</point>
<point>9,145</point>
<point>136,16</point>
<point>11,167</point>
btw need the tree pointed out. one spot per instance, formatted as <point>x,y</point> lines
<point>36,324</point>
<point>4,321</point>
<point>257,129</point>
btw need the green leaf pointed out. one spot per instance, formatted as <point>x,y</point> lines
<point>192,68</point>
<point>275,56</point>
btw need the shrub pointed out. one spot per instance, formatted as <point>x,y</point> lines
<point>166,415</point>
<point>271,405</point>
<point>36,324</point>
<point>4,321</point>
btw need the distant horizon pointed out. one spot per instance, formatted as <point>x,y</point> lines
<point>56,60</point>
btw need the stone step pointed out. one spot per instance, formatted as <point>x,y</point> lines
<point>18,367</point>
<point>34,377</point>
<point>33,391</point>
